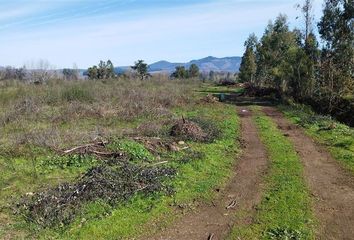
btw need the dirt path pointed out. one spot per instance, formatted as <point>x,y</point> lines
<point>244,190</point>
<point>331,186</point>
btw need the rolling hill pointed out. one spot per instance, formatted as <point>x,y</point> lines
<point>226,64</point>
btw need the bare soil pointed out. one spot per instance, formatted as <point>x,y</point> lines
<point>243,193</point>
<point>331,186</point>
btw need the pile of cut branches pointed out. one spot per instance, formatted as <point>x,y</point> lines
<point>96,148</point>
<point>112,184</point>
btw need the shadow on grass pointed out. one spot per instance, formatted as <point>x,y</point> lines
<point>239,99</point>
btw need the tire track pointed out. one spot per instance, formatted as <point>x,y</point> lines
<point>243,192</point>
<point>331,186</point>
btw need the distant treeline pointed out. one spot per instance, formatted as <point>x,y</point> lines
<point>292,62</point>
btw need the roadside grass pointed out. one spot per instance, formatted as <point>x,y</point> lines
<point>285,210</point>
<point>337,137</point>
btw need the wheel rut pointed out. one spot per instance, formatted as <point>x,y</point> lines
<point>242,193</point>
<point>331,186</point>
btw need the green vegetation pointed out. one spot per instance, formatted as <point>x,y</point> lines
<point>337,137</point>
<point>207,88</point>
<point>248,65</point>
<point>196,180</point>
<point>291,62</point>
<point>105,70</point>
<point>133,149</point>
<point>62,114</point>
<point>182,73</point>
<point>141,68</point>
<point>285,210</point>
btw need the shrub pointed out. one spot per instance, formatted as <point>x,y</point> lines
<point>77,93</point>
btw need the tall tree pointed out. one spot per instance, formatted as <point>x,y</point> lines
<point>307,14</point>
<point>336,28</point>
<point>248,64</point>
<point>273,52</point>
<point>307,55</point>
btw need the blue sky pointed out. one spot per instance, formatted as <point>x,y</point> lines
<point>84,31</point>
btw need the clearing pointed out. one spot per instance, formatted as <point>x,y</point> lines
<point>186,165</point>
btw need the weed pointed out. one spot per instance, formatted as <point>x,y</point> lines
<point>68,161</point>
<point>77,93</point>
<point>284,234</point>
<point>133,149</point>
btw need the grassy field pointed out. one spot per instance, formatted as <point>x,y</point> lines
<point>337,137</point>
<point>39,120</point>
<point>285,210</point>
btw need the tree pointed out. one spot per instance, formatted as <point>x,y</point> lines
<point>70,74</point>
<point>273,52</point>
<point>20,73</point>
<point>307,14</point>
<point>105,70</point>
<point>248,64</point>
<point>337,60</point>
<point>101,71</point>
<point>180,72</point>
<point>307,55</point>
<point>40,72</point>
<point>92,72</point>
<point>141,68</point>
<point>291,61</point>
<point>193,71</point>
<point>110,70</point>
<point>212,76</point>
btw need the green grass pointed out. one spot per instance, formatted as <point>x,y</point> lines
<point>207,166</point>
<point>196,180</point>
<point>339,140</point>
<point>207,88</point>
<point>285,210</point>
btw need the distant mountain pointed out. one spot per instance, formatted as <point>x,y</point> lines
<point>226,64</point>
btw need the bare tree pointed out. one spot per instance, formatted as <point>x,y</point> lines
<point>40,72</point>
<point>308,16</point>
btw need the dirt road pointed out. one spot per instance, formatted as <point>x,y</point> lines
<point>242,193</point>
<point>332,187</point>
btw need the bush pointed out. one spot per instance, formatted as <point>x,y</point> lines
<point>77,93</point>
